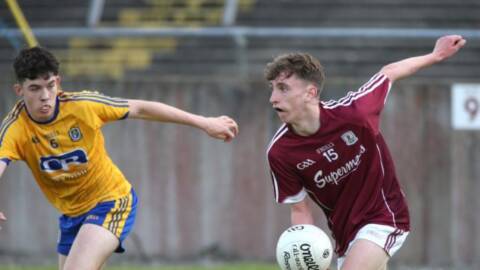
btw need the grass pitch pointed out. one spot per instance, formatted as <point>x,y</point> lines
<point>132,267</point>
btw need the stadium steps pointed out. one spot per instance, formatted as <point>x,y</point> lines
<point>223,57</point>
<point>364,13</point>
<point>118,56</point>
<point>121,55</point>
<point>49,13</point>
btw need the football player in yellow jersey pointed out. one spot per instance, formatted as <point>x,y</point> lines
<point>58,135</point>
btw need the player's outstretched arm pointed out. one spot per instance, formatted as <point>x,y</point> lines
<point>222,127</point>
<point>445,47</point>
<point>3,167</point>
<point>301,213</point>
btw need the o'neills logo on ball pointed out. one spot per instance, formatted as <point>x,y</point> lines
<point>326,253</point>
<point>308,258</point>
<point>286,258</point>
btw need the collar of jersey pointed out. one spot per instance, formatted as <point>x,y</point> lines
<point>54,116</point>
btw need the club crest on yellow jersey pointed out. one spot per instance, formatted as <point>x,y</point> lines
<point>75,134</point>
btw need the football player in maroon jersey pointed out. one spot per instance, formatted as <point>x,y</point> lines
<point>334,152</point>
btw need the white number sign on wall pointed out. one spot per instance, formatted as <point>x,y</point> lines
<point>466,106</point>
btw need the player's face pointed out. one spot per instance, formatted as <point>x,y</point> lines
<point>39,96</point>
<point>289,96</point>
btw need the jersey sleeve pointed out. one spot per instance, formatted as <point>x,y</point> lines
<point>367,102</point>
<point>9,147</point>
<point>106,109</point>
<point>288,187</point>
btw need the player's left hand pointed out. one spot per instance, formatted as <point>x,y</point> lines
<point>222,127</point>
<point>447,46</point>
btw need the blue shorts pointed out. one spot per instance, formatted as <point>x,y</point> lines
<point>117,216</point>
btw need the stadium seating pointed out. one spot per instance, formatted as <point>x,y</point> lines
<point>224,57</point>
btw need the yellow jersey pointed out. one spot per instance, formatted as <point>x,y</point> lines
<point>67,154</point>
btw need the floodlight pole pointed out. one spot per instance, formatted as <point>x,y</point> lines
<point>95,12</point>
<point>230,12</point>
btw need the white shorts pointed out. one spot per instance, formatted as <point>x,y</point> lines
<point>389,238</point>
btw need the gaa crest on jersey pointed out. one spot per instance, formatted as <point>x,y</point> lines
<point>349,137</point>
<point>75,134</point>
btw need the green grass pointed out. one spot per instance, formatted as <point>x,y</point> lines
<point>215,267</point>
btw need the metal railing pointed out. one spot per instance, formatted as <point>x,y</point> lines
<point>237,31</point>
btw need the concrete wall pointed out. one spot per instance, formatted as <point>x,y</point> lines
<point>200,197</point>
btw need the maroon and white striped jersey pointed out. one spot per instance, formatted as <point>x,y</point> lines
<point>345,167</point>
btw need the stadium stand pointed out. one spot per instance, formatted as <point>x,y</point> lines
<point>365,13</point>
<point>222,57</point>
<point>49,13</point>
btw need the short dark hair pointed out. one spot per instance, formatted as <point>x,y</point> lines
<point>305,66</point>
<point>35,62</point>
